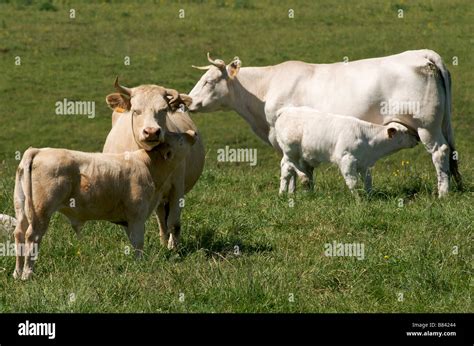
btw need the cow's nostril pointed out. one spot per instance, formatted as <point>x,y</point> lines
<point>149,132</point>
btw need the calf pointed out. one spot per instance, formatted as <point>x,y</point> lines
<point>308,137</point>
<point>121,188</point>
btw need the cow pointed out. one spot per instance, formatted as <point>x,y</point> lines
<point>412,88</point>
<point>153,110</point>
<point>122,188</point>
<point>308,137</point>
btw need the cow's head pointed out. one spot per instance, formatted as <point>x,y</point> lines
<point>149,105</point>
<point>212,90</point>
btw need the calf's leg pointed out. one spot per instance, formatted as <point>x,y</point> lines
<point>307,182</point>
<point>348,168</point>
<point>19,234</point>
<point>287,176</point>
<point>33,236</point>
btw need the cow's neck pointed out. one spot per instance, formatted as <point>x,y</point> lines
<point>247,97</point>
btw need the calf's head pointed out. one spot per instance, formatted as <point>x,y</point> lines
<point>211,92</point>
<point>176,146</point>
<point>402,136</point>
<point>150,106</point>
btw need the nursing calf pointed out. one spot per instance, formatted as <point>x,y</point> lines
<point>308,137</point>
<point>122,188</point>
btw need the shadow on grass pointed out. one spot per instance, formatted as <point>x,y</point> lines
<point>407,192</point>
<point>218,246</point>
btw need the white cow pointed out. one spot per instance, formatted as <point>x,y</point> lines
<point>308,137</point>
<point>413,88</point>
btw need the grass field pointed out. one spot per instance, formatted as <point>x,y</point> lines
<point>411,263</point>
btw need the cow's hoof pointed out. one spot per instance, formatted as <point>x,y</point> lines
<point>26,275</point>
<point>16,274</point>
<point>164,241</point>
<point>442,194</point>
<point>172,243</point>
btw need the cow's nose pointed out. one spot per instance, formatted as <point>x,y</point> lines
<point>151,132</point>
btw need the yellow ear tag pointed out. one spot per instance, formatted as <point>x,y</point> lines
<point>119,110</point>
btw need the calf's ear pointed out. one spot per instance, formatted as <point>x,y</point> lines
<point>118,102</point>
<point>391,132</point>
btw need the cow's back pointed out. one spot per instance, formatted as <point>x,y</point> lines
<point>355,88</point>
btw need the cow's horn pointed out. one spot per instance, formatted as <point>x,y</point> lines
<point>202,67</point>
<point>122,89</point>
<point>217,62</point>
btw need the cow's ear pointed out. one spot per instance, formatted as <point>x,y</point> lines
<point>118,102</point>
<point>391,132</point>
<point>234,67</point>
<point>185,99</point>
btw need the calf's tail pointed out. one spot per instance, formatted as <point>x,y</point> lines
<point>24,179</point>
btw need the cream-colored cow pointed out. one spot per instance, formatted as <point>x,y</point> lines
<point>153,110</point>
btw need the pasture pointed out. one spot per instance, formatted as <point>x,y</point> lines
<point>244,248</point>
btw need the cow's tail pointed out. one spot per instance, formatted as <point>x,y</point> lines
<point>446,124</point>
<point>24,179</point>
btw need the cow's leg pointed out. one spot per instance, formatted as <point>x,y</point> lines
<point>19,234</point>
<point>173,222</point>
<point>33,236</point>
<point>136,234</point>
<point>438,147</point>
<point>162,212</point>
<point>348,168</point>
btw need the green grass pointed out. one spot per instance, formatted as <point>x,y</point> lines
<point>408,249</point>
